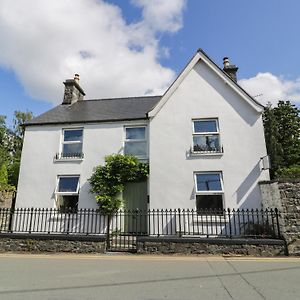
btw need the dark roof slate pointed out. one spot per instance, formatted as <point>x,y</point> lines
<point>98,110</point>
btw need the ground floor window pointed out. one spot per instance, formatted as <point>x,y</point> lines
<point>209,191</point>
<point>212,202</point>
<point>67,193</point>
<point>67,203</point>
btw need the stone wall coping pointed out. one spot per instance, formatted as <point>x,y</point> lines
<point>218,241</point>
<point>297,180</point>
<point>69,237</point>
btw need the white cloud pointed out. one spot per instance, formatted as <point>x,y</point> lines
<point>271,88</point>
<point>162,14</point>
<point>45,42</point>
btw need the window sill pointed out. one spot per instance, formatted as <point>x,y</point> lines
<point>67,159</point>
<point>144,160</point>
<point>59,157</point>
<point>193,153</point>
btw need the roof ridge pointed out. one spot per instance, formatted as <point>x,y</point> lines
<point>134,97</point>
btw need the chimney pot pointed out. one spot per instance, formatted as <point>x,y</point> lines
<point>230,69</point>
<point>76,78</point>
<point>226,62</point>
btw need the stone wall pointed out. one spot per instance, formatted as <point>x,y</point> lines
<point>6,198</point>
<point>50,243</point>
<point>285,195</point>
<point>253,247</point>
<point>290,201</point>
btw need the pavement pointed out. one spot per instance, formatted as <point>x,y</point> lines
<point>128,276</point>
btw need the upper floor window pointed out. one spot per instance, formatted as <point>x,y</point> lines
<point>72,143</point>
<point>67,193</point>
<point>136,141</point>
<point>209,191</point>
<point>206,136</point>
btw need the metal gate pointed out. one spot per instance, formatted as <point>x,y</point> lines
<point>123,229</point>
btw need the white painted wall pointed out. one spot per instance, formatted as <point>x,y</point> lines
<point>202,94</point>
<point>39,171</point>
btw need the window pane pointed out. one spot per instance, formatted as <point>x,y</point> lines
<point>205,126</point>
<point>68,184</point>
<point>72,148</point>
<point>73,135</point>
<point>208,182</point>
<point>68,203</point>
<point>136,133</point>
<point>206,143</point>
<point>204,202</point>
<point>136,148</point>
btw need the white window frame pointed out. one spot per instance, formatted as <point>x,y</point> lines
<point>205,134</point>
<point>74,193</point>
<point>63,142</point>
<point>209,192</point>
<point>67,193</point>
<point>141,157</point>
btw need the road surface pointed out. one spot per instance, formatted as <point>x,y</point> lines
<point>133,277</point>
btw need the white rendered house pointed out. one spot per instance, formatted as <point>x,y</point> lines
<point>203,139</point>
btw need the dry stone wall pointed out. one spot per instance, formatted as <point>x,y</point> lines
<point>38,244</point>
<point>285,195</point>
<point>213,246</point>
<point>290,201</point>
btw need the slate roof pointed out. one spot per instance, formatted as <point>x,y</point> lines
<point>98,110</point>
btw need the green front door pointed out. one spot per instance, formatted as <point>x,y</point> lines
<point>135,201</point>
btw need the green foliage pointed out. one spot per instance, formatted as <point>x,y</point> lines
<point>11,142</point>
<point>108,181</point>
<point>4,185</point>
<point>274,148</point>
<point>7,187</point>
<point>292,172</point>
<point>2,129</point>
<point>282,133</point>
<point>3,174</point>
<point>108,204</point>
<point>18,129</point>
<point>13,172</point>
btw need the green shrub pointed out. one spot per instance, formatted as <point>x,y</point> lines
<point>292,172</point>
<point>109,180</point>
<point>3,174</point>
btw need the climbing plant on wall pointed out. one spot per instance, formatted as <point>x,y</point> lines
<point>108,181</point>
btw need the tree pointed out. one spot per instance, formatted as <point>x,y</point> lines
<point>11,142</point>
<point>3,175</point>
<point>274,148</point>
<point>282,133</point>
<point>2,129</point>
<point>4,153</point>
<point>288,119</point>
<point>16,144</point>
<point>18,129</point>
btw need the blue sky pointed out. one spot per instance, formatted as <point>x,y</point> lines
<point>137,47</point>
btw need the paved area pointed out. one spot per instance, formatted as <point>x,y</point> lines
<point>147,277</point>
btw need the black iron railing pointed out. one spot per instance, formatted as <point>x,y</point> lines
<point>197,149</point>
<point>164,222</point>
<point>73,155</point>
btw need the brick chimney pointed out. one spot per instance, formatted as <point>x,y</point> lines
<point>230,69</point>
<point>73,91</point>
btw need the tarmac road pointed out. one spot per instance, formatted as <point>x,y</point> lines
<point>25,276</point>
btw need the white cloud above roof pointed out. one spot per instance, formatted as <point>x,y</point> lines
<point>160,15</point>
<point>45,42</point>
<point>267,87</point>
